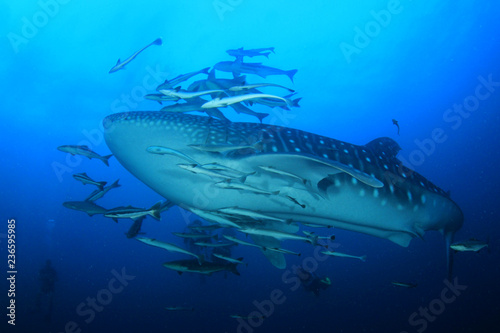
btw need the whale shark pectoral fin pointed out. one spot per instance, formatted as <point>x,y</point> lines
<point>277,259</point>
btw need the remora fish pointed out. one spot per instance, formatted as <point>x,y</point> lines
<point>234,261</point>
<point>472,245</point>
<point>198,169</point>
<point>258,85</point>
<point>395,122</point>
<point>120,65</point>
<point>184,94</point>
<point>169,151</point>
<point>240,53</point>
<point>133,213</point>
<point>85,206</point>
<point>226,101</point>
<point>206,267</point>
<point>279,235</point>
<point>276,249</point>
<point>343,255</point>
<point>236,240</point>
<point>192,236</point>
<point>235,316</point>
<point>225,147</point>
<point>181,78</point>
<point>214,217</point>
<point>84,151</point>
<point>361,188</point>
<point>214,244</point>
<point>85,179</point>
<point>238,67</point>
<point>169,247</point>
<point>179,308</point>
<point>160,98</point>
<point>404,285</point>
<point>99,193</point>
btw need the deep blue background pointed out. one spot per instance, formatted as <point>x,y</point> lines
<point>426,58</point>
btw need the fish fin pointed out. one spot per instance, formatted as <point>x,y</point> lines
<point>118,62</point>
<point>233,269</point>
<point>116,220</point>
<point>157,41</point>
<point>177,88</point>
<point>205,70</point>
<point>211,75</point>
<point>384,146</point>
<point>277,259</point>
<point>291,73</point>
<point>106,158</point>
<point>179,272</point>
<point>115,184</point>
<point>156,210</point>
<point>261,115</point>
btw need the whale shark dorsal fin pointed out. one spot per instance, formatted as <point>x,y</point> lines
<point>385,146</point>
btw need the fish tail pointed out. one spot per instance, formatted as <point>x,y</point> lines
<point>115,184</point>
<point>261,116</point>
<point>106,158</point>
<point>155,210</point>
<point>295,102</point>
<point>157,41</point>
<point>272,49</point>
<point>363,258</point>
<point>233,269</point>
<point>101,185</point>
<point>291,73</point>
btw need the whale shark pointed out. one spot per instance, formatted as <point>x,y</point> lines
<point>360,188</point>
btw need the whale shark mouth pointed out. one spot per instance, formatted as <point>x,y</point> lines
<point>276,177</point>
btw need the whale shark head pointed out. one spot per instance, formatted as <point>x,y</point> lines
<point>272,174</point>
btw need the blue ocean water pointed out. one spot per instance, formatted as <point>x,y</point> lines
<point>433,66</point>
